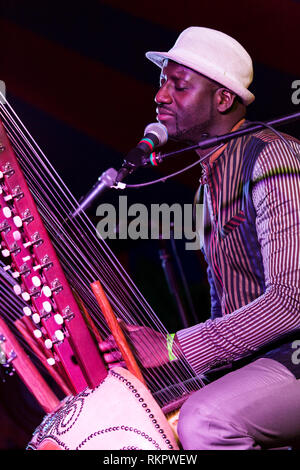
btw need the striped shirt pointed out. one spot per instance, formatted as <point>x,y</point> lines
<point>252,247</point>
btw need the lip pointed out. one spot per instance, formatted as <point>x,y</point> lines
<point>163,115</point>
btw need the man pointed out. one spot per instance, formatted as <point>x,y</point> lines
<point>251,194</point>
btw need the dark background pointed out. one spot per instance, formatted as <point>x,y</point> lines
<point>77,75</point>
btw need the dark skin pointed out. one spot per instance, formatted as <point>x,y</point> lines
<point>192,107</point>
<point>198,105</point>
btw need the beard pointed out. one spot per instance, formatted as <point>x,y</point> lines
<point>193,134</point>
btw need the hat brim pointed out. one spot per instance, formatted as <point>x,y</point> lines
<point>158,58</point>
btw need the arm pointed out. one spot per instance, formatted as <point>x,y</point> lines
<point>276,197</point>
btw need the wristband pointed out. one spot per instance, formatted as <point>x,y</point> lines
<point>170,340</point>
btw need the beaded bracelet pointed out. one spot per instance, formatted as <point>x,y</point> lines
<point>170,340</point>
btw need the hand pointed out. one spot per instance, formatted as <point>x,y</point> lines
<point>148,346</point>
<point>112,356</point>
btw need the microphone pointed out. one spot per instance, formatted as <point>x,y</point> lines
<point>155,135</point>
<point>106,181</point>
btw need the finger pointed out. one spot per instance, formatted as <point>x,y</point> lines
<point>131,328</point>
<point>116,364</point>
<point>104,346</point>
<point>112,356</point>
<point>108,344</point>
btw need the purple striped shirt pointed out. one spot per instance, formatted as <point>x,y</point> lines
<point>252,246</point>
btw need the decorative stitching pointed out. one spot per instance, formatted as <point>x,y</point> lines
<point>144,405</point>
<point>119,428</point>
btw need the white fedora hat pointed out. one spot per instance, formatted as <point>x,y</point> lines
<point>213,54</point>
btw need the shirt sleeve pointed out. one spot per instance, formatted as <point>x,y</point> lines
<point>276,197</point>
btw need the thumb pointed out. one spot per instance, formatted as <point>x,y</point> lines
<point>128,328</point>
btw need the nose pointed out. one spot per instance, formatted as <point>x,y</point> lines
<point>163,96</point>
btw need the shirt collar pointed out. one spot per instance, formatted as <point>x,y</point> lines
<point>218,152</point>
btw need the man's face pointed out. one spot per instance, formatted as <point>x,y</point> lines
<point>185,103</point>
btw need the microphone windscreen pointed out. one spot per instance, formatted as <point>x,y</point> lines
<point>159,130</point>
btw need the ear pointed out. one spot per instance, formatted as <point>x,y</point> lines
<point>225,99</point>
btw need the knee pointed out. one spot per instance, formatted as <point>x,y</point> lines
<point>204,426</point>
<point>194,425</point>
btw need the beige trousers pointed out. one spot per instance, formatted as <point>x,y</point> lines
<point>255,407</point>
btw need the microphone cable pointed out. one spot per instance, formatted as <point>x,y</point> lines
<point>164,178</point>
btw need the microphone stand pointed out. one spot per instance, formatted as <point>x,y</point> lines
<point>173,282</point>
